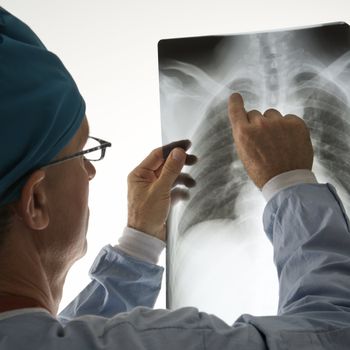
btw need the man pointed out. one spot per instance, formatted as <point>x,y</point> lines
<point>44,184</point>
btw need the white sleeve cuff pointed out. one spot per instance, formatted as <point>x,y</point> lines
<point>287,179</point>
<point>140,245</point>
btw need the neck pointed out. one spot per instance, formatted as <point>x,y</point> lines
<point>26,274</point>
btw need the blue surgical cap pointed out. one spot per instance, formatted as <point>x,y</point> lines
<point>41,108</point>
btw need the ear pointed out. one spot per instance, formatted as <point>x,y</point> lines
<point>32,207</point>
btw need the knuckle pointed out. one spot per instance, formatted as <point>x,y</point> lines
<point>294,119</point>
<point>155,153</point>
<point>271,112</point>
<point>254,113</point>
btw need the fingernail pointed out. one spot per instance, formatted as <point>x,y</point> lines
<point>178,154</point>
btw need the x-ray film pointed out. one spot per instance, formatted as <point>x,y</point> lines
<point>218,257</point>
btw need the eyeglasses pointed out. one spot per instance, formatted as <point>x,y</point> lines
<point>95,157</point>
<point>99,151</point>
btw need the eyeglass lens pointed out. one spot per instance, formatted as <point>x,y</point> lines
<point>96,154</point>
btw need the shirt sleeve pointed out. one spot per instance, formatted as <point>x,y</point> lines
<point>140,329</point>
<point>119,283</point>
<point>309,229</point>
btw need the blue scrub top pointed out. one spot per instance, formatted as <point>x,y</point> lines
<point>309,230</point>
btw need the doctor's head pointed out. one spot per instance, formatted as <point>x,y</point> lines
<point>44,176</point>
<point>52,208</point>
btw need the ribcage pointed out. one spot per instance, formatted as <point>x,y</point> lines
<point>277,76</point>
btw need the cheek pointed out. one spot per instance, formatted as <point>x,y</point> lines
<point>76,211</point>
<point>75,194</point>
<point>80,191</point>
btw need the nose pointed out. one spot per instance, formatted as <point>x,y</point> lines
<point>90,169</point>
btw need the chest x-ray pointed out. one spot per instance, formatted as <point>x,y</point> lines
<point>218,257</point>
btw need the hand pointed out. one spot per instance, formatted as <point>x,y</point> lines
<point>269,144</point>
<point>151,187</point>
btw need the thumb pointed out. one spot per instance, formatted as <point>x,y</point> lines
<point>172,169</point>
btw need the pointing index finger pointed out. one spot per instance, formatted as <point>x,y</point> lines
<point>236,110</point>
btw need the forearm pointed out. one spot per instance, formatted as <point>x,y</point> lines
<point>309,230</point>
<point>119,283</point>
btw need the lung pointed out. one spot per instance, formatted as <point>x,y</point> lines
<point>220,175</point>
<point>326,112</point>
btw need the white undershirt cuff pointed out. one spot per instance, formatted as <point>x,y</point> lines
<point>287,179</point>
<point>140,245</point>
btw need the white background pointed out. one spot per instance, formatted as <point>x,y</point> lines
<point>110,48</point>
